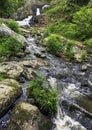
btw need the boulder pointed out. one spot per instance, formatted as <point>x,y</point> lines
<point>27,9</point>
<point>10,90</point>
<point>11,69</point>
<point>6,31</point>
<point>28,117</point>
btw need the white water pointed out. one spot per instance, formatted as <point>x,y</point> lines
<point>25,22</point>
<point>64,122</point>
<point>38,12</point>
<point>45,6</point>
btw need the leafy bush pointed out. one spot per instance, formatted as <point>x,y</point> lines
<point>21,2</point>
<point>54,44</point>
<point>88,43</point>
<point>62,10</point>
<point>69,49</point>
<point>44,98</point>
<point>8,7</point>
<point>83,55</point>
<point>83,19</point>
<point>13,25</point>
<point>9,46</point>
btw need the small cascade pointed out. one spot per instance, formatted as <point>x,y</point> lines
<point>25,22</point>
<point>38,11</point>
<point>64,122</point>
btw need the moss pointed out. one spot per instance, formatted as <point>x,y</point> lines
<point>3,76</point>
<point>20,113</point>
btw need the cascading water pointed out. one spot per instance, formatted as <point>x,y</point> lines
<point>38,12</point>
<point>26,22</point>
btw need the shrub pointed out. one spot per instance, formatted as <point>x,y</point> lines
<point>83,55</point>
<point>83,19</point>
<point>88,43</point>
<point>46,33</point>
<point>9,46</point>
<point>8,7</point>
<point>13,25</point>
<point>69,49</point>
<point>44,98</point>
<point>54,44</point>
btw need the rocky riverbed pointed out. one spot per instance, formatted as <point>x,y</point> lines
<point>74,84</point>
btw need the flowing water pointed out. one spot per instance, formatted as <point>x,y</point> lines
<point>74,106</point>
<point>74,85</point>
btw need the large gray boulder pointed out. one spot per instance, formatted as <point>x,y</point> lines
<point>10,90</point>
<point>28,117</point>
<point>6,31</point>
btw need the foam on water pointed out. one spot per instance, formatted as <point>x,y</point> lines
<point>25,22</point>
<point>38,11</point>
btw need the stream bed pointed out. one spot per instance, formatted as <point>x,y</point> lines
<point>74,85</point>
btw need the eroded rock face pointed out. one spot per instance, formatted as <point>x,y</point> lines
<point>10,90</point>
<point>28,117</point>
<point>11,69</point>
<point>6,31</point>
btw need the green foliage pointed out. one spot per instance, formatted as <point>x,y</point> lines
<point>8,7</point>
<point>79,29</point>
<point>44,98</point>
<point>88,43</point>
<point>13,25</point>
<point>46,33</point>
<point>69,49</point>
<point>84,55</point>
<point>3,76</point>
<point>21,2</point>
<point>62,10</point>
<point>9,46</point>
<point>83,21</point>
<point>54,44</point>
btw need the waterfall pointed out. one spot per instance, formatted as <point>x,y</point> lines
<point>25,22</point>
<point>38,11</point>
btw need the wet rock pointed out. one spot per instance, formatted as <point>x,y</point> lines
<point>29,73</point>
<point>30,63</point>
<point>11,69</point>
<point>40,55</point>
<point>6,31</point>
<point>10,90</point>
<point>40,19</point>
<point>77,53</point>
<point>29,8</point>
<point>52,82</point>
<point>28,117</point>
<point>90,80</point>
<point>84,67</point>
<point>76,98</point>
<point>34,63</point>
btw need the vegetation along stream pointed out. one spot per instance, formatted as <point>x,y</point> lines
<point>64,70</point>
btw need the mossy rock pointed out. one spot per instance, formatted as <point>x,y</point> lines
<point>10,90</point>
<point>28,117</point>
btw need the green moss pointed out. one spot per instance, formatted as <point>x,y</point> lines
<point>3,76</point>
<point>21,114</point>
